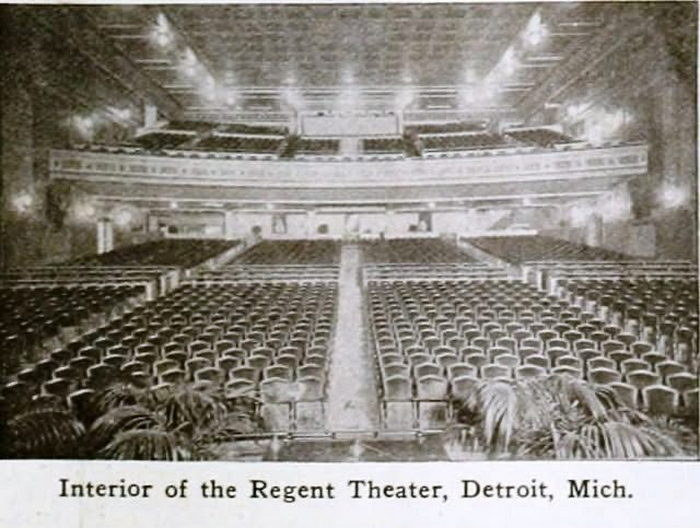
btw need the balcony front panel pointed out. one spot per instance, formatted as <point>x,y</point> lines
<point>575,165</point>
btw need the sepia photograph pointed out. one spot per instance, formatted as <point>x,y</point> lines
<point>349,232</point>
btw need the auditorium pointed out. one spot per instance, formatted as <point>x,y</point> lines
<point>380,232</point>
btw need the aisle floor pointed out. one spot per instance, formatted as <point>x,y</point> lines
<point>352,393</point>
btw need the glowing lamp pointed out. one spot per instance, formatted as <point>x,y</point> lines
<point>23,202</point>
<point>673,196</point>
<point>123,218</point>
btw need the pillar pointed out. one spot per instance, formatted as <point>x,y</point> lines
<point>229,225</point>
<point>390,227</point>
<point>105,235</point>
<point>594,230</point>
<point>310,223</point>
<point>150,115</point>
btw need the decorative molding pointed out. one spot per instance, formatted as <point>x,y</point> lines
<point>127,169</point>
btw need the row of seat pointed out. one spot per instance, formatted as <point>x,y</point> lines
<point>33,315</point>
<point>467,141</point>
<point>240,143</point>
<point>164,252</point>
<point>242,128</point>
<point>193,126</point>
<point>434,271</point>
<point>252,272</point>
<point>548,274</point>
<point>281,252</point>
<point>83,273</point>
<point>429,335</point>
<point>543,137</point>
<point>523,248</point>
<point>663,312</point>
<point>384,145</point>
<point>162,139</point>
<point>444,128</point>
<point>413,250</point>
<point>253,338</point>
<point>315,146</point>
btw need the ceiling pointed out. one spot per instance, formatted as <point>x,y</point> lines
<point>426,55</point>
<point>316,46</point>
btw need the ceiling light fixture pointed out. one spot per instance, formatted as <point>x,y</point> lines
<point>672,195</point>
<point>23,202</point>
<point>162,34</point>
<point>536,30</point>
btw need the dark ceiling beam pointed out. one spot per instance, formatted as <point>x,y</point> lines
<point>81,32</point>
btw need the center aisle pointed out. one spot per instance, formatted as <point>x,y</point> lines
<point>352,392</point>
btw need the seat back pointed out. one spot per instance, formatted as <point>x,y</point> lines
<point>603,376</point>
<point>310,388</point>
<point>530,371</point>
<point>642,379</point>
<point>660,400</point>
<point>397,388</point>
<point>431,387</point>
<point>492,371</point>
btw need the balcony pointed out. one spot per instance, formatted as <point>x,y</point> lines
<point>531,171</point>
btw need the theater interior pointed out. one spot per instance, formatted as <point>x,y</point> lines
<point>349,232</point>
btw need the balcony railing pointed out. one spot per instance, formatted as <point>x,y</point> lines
<point>503,165</point>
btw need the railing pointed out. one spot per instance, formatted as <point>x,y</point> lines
<point>630,160</point>
<point>234,117</point>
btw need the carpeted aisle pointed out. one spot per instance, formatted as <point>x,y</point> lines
<point>352,394</point>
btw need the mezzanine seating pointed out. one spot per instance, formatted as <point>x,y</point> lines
<point>543,137</point>
<point>317,146</point>
<point>231,143</point>
<point>466,141</point>
<point>518,249</point>
<point>242,128</point>
<point>165,252</point>
<point>164,139</point>
<point>192,126</point>
<point>278,252</point>
<point>391,145</point>
<point>441,128</point>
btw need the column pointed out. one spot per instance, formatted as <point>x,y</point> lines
<point>150,115</point>
<point>105,235</point>
<point>594,230</point>
<point>229,225</point>
<point>310,223</point>
<point>390,228</point>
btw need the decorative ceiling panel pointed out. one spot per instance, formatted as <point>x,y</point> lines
<point>323,45</point>
<point>410,50</point>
